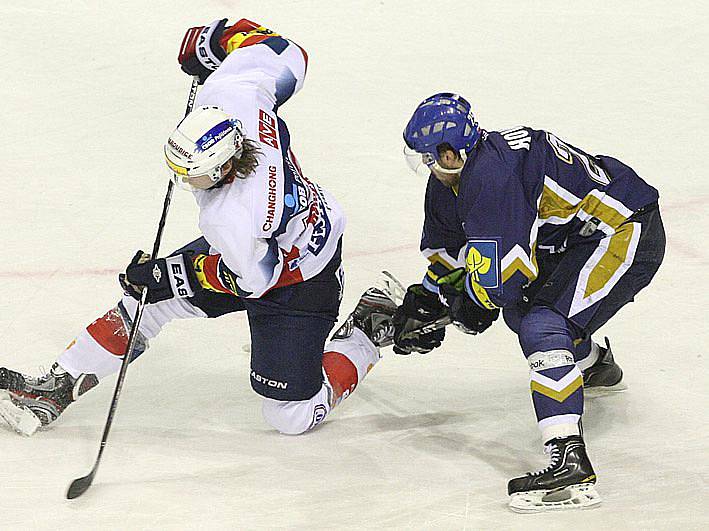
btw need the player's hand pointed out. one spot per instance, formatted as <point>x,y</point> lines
<point>466,315</point>
<point>128,288</point>
<point>205,47</point>
<point>201,51</point>
<point>164,278</point>
<point>420,307</point>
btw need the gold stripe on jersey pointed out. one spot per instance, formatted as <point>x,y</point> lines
<point>553,205</point>
<point>612,260</point>
<point>440,265</point>
<point>598,207</point>
<point>520,263</point>
<point>517,265</point>
<point>605,267</point>
<point>436,258</point>
<point>558,204</point>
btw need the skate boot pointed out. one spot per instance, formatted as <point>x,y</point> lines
<point>567,483</point>
<point>605,375</point>
<point>28,402</point>
<point>373,316</point>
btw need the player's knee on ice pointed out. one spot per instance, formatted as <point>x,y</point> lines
<point>296,416</point>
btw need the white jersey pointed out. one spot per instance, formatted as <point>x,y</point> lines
<point>276,227</point>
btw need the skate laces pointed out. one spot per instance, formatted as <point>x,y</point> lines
<point>554,453</point>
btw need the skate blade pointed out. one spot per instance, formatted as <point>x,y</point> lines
<point>571,497</point>
<point>594,392</point>
<point>19,417</point>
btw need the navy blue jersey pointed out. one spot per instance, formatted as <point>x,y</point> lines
<point>524,190</point>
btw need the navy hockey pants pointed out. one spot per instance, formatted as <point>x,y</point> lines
<point>288,325</point>
<point>562,276</point>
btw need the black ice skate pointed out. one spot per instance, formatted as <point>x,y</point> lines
<point>605,375</point>
<point>28,402</point>
<point>373,314</point>
<point>567,483</point>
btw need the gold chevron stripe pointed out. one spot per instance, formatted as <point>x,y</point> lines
<point>517,265</point>
<point>559,396</point>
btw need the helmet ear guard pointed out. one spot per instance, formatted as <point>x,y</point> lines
<point>444,118</point>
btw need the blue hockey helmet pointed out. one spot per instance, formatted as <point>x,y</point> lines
<point>443,118</point>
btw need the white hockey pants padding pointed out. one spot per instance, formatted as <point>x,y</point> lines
<point>86,355</point>
<point>298,416</point>
<point>155,316</point>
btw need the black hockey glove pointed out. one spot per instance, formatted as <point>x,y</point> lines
<point>164,278</point>
<point>419,308</point>
<point>466,315</point>
<point>201,51</point>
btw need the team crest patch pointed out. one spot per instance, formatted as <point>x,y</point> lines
<point>483,263</point>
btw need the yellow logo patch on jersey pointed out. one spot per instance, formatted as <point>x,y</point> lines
<point>477,264</point>
<point>482,262</point>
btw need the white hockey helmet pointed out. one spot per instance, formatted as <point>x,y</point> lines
<point>202,143</point>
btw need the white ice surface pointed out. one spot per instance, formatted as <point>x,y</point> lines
<point>90,91</point>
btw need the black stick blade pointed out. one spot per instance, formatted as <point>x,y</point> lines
<point>79,486</point>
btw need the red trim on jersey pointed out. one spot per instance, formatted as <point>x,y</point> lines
<point>305,55</point>
<point>110,332</point>
<point>210,266</point>
<point>289,276</point>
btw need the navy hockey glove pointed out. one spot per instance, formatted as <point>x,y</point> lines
<point>201,51</point>
<point>164,278</point>
<point>466,315</point>
<point>419,308</point>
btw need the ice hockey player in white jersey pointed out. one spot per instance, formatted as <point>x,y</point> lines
<point>271,246</point>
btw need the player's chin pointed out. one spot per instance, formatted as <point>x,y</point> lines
<point>449,181</point>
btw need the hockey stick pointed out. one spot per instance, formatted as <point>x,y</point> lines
<point>428,327</point>
<point>81,485</point>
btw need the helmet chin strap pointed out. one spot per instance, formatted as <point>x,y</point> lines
<point>448,171</point>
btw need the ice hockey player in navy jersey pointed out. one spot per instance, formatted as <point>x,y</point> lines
<point>271,245</point>
<point>559,240</point>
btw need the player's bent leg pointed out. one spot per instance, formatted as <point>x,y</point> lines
<point>99,348</point>
<point>556,384</point>
<point>28,402</point>
<point>345,364</point>
<point>346,361</point>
